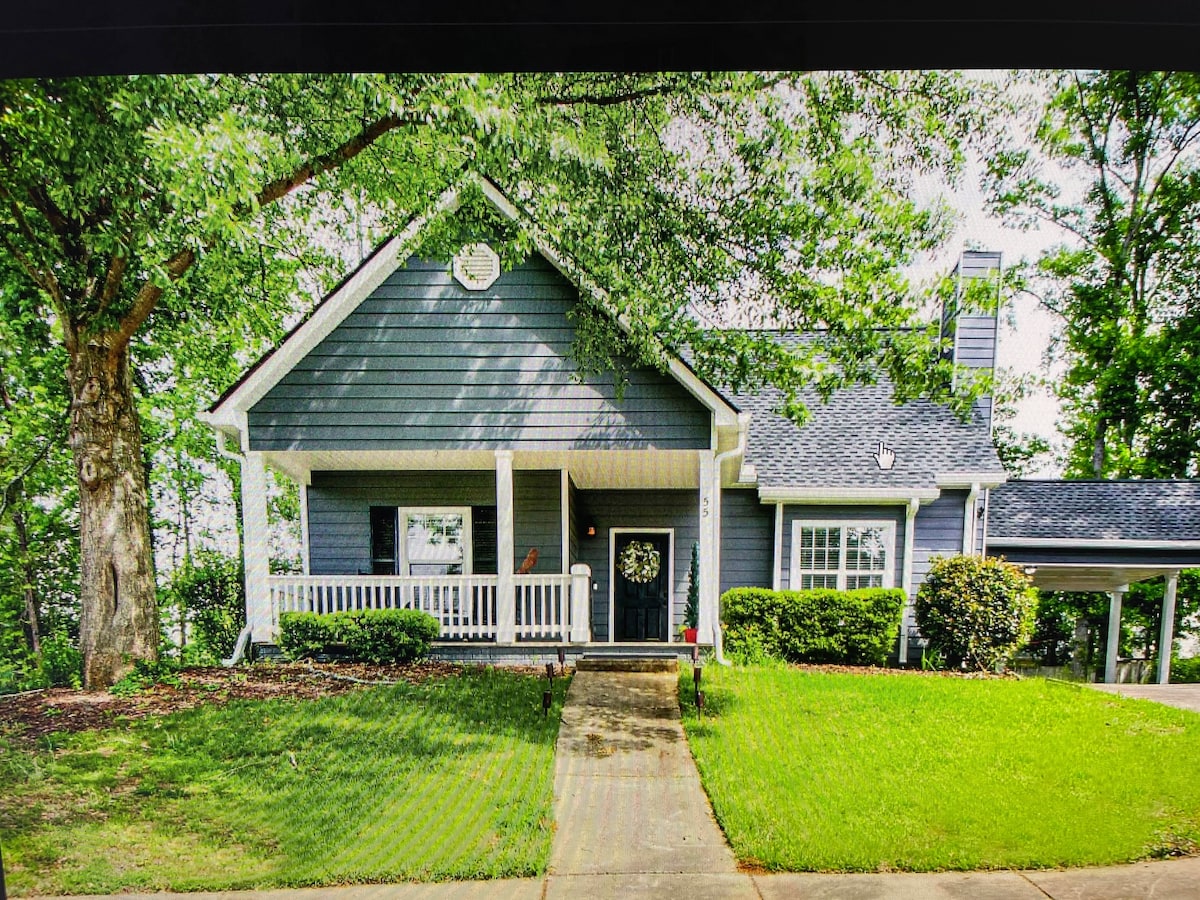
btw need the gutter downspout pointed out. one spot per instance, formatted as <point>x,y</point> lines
<point>239,649</point>
<point>739,449</point>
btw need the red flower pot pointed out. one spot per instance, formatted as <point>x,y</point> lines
<point>689,635</point>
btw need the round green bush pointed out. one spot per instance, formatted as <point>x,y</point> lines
<point>975,611</point>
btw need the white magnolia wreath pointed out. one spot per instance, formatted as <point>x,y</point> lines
<point>639,562</point>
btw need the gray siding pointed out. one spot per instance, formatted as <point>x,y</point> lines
<point>747,540</point>
<point>537,519</point>
<point>339,512</point>
<point>842,514</point>
<point>636,509</point>
<point>424,363</point>
<point>938,531</point>
<point>573,520</point>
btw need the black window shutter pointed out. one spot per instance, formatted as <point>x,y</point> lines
<point>383,540</point>
<point>483,540</point>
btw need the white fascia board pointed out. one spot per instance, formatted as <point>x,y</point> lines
<point>1084,543</point>
<point>842,495</point>
<point>725,415</point>
<point>968,479</point>
<point>327,317</point>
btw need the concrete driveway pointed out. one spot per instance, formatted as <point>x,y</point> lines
<point>1183,696</point>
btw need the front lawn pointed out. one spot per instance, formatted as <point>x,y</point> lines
<point>451,778</point>
<point>810,771</point>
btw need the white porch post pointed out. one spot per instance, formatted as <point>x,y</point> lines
<point>1114,634</point>
<point>506,602</point>
<point>1168,629</point>
<point>254,541</point>
<point>581,603</point>
<point>910,532</point>
<point>710,510</point>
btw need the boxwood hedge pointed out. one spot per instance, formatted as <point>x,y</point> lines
<point>371,635</point>
<point>857,627</point>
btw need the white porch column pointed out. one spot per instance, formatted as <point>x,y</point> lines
<point>710,511</point>
<point>259,615</point>
<point>506,601</point>
<point>1114,634</point>
<point>1168,629</point>
<point>910,532</point>
<point>581,603</point>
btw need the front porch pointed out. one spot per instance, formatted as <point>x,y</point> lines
<point>504,549</point>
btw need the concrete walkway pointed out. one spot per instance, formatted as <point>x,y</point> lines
<point>633,822</point>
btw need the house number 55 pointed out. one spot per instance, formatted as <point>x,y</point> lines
<point>704,508</point>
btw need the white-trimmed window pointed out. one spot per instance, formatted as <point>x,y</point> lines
<point>435,541</point>
<point>842,555</point>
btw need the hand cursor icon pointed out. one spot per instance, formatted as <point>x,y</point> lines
<point>885,456</point>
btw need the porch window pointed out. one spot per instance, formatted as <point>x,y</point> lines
<point>842,555</point>
<point>435,541</point>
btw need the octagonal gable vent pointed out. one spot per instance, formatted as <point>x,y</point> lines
<point>476,267</point>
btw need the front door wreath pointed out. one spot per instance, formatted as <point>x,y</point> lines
<point>639,562</point>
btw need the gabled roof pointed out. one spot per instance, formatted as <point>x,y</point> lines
<point>833,454</point>
<point>228,413</point>
<point>1050,512</point>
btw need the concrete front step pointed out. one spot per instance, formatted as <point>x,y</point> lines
<point>587,663</point>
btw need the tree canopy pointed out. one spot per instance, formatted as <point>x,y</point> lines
<point>157,232</point>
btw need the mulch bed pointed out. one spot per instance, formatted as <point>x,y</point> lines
<point>26,718</point>
<point>930,673</point>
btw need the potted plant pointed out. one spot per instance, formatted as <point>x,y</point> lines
<point>691,612</point>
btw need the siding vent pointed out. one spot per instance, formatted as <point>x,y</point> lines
<point>476,267</point>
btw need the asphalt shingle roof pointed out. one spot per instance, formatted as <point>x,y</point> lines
<point>1096,510</point>
<point>836,447</point>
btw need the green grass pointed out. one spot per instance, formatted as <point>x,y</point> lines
<point>447,780</point>
<point>816,772</point>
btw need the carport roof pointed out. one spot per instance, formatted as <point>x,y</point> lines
<point>1133,512</point>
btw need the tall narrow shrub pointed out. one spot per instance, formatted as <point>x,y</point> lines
<point>691,612</point>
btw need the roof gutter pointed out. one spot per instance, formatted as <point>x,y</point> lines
<point>743,421</point>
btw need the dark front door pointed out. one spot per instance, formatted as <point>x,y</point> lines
<point>640,611</point>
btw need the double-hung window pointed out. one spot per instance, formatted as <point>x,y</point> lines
<point>435,541</point>
<point>842,555</point>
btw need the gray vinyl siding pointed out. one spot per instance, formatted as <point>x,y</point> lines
<point>422,363</point>
<point>938,531</point>
<point>636,509</point>
<point>747,540</point>
<point>849,514</point>
<point>572,520</point>
<point>537,519</point>
<point>339,512</point>
<point>975,346</point>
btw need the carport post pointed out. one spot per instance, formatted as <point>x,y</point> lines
<point>1168,628</point>
<point>1114,633</point>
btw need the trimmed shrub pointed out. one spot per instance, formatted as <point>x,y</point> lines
<point>389,635</point>
<point>819,626</point>
<point>975,610</point>
<point>373,635</point>
<point>303,634</point>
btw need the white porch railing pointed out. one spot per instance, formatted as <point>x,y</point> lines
<point>464,605</point>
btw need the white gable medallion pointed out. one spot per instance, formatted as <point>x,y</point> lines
<point>476,267</point>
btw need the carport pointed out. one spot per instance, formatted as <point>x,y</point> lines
<point>1100,536</point>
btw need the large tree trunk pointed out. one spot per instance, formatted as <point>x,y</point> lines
<point>119,620</point>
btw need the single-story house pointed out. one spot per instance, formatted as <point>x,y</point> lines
<point>452,457</point>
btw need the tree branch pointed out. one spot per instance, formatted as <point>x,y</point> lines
<point>112,282</point>
<point>281,187</point>
<point>147,298</point>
